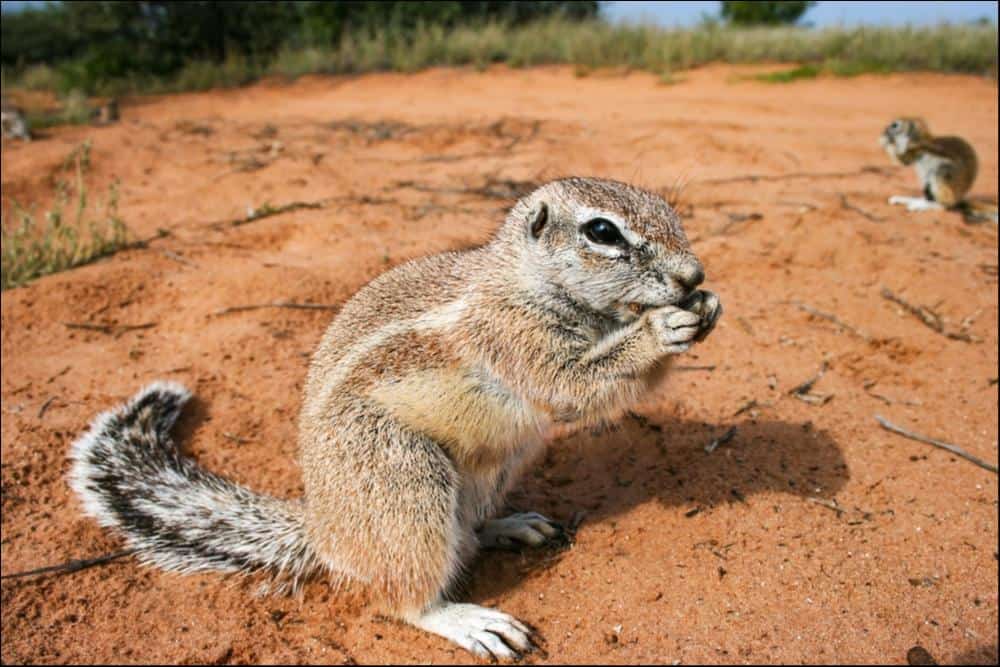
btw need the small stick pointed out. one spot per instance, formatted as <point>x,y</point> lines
<point>750,405</point>
<point>802,391</point>
<point>72,565</point>
<point>884,399</point>
<point>693,368</point>
<point>851,207</point>
<point>45,406</point>
<point>922,313</point>
<point>277,304</point>
<point>451,158</point>
<point>116,329</point>
<point>814,399</point>
<point>836,320</point>
<point>58,375</point>
<point>721,440</point>
<point>927,316</point>
<point>808,384</point>
<point>144,243</point>
<point>103,328</point>
<point>826,503</point>
<point>954,449</point>
<point>268,211</point>
<point>753,178</point>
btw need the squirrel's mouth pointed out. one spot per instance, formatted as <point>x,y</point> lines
<point>636,309</point>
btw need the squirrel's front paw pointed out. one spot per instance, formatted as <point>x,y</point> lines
<point>707,306</point>
<point>676,329</point>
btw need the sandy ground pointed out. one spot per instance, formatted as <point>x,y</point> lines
<point>811,536</point>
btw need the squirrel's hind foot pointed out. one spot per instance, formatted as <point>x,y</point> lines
<point>487,633</point>
<point>915,203</point>
<point>516,530</point>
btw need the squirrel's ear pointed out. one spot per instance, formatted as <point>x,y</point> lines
<point>537,218</point>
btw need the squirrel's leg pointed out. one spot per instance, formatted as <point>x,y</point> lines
<point>943,193</point>
<point>390,514</point>
<point>488,633</point>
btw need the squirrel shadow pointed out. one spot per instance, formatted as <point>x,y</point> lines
<point>981,655</point>
<point>639,459</point>
<point>605,472</point>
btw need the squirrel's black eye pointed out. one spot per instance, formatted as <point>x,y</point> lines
<point>603,231</point>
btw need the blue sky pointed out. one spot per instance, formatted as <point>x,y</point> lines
<point>827,12</point>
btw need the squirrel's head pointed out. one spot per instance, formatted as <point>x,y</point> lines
<point>613,247</point>
<point>902,138</point>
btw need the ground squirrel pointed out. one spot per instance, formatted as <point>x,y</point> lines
<point>12,121</point>
<point>946,167</point>
<point>431,389</point>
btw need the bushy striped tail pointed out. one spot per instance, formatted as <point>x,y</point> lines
<point>131,476</point>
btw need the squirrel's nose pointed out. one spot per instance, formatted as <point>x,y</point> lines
<point>690,274</point>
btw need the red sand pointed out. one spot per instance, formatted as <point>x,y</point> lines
<point>734,556</point>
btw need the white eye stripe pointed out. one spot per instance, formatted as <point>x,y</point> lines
<point>606,250</point>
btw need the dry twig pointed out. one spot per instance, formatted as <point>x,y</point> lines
<point>112,329</point>
<point>492,188</point>
<point>833,318</point>
<point>803,393</point>
<point>72,565</point>
<point>826,503</point>
<point>266,211</point>
<point>45,406</point>
<point>954,449</point>
<point>753,178</point>
<point>721,440</point>
<point>752,404</point>
<point>860,211</point>
<point>277,304</point>
<point>58,375</point>
<point>928,317</point>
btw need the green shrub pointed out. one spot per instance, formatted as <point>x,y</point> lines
<point>588,45</point>
<point>64,239</point>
